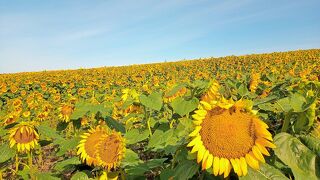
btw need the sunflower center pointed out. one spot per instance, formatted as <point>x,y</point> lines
<point>228,133</point>
<point>24,137</point>
<point>109,149</point>
<point>91,143</point>
<point>66,110</point>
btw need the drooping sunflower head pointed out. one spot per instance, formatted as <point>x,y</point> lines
<point>229,135</point>
<point>100,147</point>
<point>24,136</point>
<point>110,150</point>
<point>65,112</point>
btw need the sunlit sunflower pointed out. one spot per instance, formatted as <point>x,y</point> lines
<point>24,136</point>
<point>110,150</point>
<point>229,135</point>
<point>88,145</point>
<point>65,112</point>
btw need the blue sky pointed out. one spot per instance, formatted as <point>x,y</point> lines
<point>38,35</point>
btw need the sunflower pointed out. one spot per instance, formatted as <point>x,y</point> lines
<point>24,136</point>
<point>88,145</point>
<point>65,112</point>
<point>228,135</point>
<point>110,150</point>
<point>100,147</point>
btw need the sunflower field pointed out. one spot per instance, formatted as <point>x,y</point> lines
<point>236,117</point>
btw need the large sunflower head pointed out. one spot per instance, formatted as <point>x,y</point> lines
<point>88,145</point>
<point>110,150</point>
<point>24,136</point>
<point>100,147</point>
<point>229,135</point>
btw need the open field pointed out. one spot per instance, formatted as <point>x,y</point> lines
<point>246,117</point>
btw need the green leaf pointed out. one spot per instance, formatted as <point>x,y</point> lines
<point>159,139</point>
<point>283,105</point>
<point>130,159</point>
<point>266,171</point>
<point>133,136</point>
<point>183,107</point>
<point>46,176</point>
<point>65,145</point>
<point>185,170</point>
<point>175,90</point>
<point>153,101</point>
<point>46,131</point>
<point>140,169</point>
<point>297,101</point>
<point>6,153</point>
<point>312,143</point>
<point>243,90</point>
<point>83,107</point>
<point>297,156</point>
<point>65,164</point>
<point>80,176</point>
<point>113,124</point>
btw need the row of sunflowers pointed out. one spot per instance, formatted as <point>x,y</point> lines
<point>236,117</point>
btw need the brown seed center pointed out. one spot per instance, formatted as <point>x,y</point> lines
<point>228,133</point>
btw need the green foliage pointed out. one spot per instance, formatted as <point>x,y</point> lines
<point>183,106</point>
<point>153,101</point>
<point>302,161</point>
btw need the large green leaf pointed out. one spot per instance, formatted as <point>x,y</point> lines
<point>133,136</point>
<point>302,161</point>
<point>183,107</point>
<point>266,172</point>
<point>65,145</point>
<point>82,108</point>
<point>47,132</point>
<point>160,139</point>
<point>185,170</point>
<point>80,176</point>
<point>130,159</point>
<point>6,153</point>
<point>113,124</point>
<point>153,101</point>
<point>66,164</point>
<point>141,168</point>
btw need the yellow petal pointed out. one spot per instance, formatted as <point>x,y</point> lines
<point>195,132</point>
<point>202,113</point>
<point>252,161</point>
<point>196,122</point>
<point>196,147</point>
<point>221,166</point>
<point>243,165</point>
<point>262,149</point>
<point>28,146</point>
<point>227,168</point>
<point>204,159</point>
<point>265,143</point>
<point>216,165</point>
<point>198,117</point>
<point>234,165</point>
<point>209,161</point>
<point>201,152</point>
<point>206,105</point>
<point>239,167</point>
<point>196,140</point>
<point>258,154</point>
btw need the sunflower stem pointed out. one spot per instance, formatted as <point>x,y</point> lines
<point>286,122</point>
<point>17,163</point>
<point>30,163</point>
